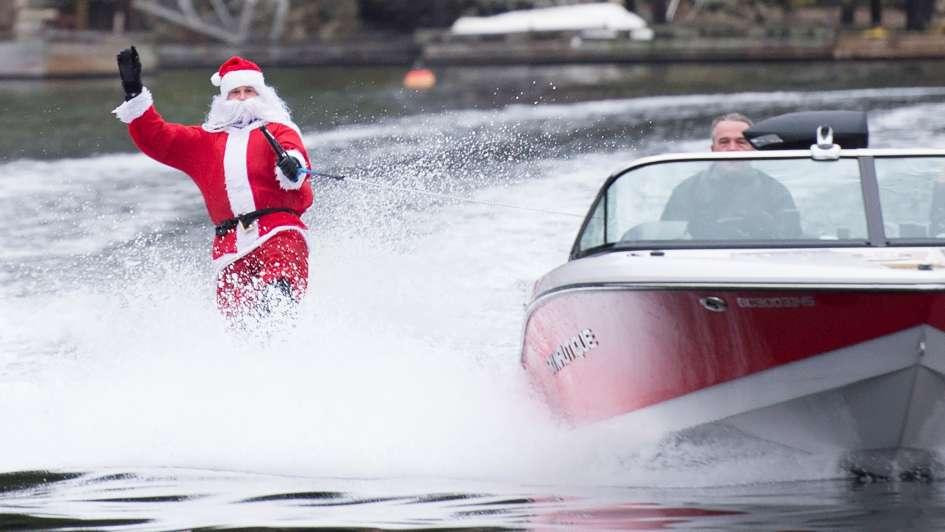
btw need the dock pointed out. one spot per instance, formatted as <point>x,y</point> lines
<point>37,42</point>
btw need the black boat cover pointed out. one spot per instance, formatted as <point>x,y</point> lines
<point>798,131</point>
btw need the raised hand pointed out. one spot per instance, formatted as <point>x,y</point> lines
<point>129,68</point>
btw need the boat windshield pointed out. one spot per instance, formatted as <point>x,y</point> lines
<point>770,201</point>
<point>912,196</point>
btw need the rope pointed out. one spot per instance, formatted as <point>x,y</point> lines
<point>441,196</point>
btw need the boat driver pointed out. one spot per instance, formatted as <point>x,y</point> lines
<point>731,199</point>
<point>255,189</point>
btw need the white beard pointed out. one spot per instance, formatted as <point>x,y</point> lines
<point>265,107</point>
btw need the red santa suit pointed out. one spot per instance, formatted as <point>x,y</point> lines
<point>235,170</point>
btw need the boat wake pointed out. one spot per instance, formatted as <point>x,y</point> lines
<point>405,359</point>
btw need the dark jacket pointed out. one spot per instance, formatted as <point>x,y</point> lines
<point>732,200</point>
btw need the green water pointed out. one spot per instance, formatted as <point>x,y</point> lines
<point>71,118</point>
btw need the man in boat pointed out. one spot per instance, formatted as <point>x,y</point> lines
<point>255,199</point>
<point>730,199</point>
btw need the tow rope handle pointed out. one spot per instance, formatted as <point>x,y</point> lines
<point>281,153</point>
<point>276,147</point>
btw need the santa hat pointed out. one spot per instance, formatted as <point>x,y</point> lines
<point>237,72</point>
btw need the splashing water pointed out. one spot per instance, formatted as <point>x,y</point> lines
<point>403,360</point>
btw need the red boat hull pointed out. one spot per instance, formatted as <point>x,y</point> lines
<point>599,353</point>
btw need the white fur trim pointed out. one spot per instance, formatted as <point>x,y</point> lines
<point>236,178</point>
<point>135,107</point>
<point>225,260</point>
<point>284,182</point>
<point>215,79</point>
<point>240,78</point>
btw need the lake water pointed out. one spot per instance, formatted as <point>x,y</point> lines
<point>397,401</point>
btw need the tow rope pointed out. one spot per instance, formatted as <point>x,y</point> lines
<point>280,152</point>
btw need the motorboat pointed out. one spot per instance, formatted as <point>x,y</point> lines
<point>602,20</point>
<point>816,323</point>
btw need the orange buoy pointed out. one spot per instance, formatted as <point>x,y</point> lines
<point>419,79</point>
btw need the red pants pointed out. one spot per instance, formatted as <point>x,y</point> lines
<point>281,261</point>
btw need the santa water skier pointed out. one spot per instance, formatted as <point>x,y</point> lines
<point>254,197</point>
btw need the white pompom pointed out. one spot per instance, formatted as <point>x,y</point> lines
<point>215,79</point>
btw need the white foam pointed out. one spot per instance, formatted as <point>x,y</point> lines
<point>404,364</point>
<point>406,360</point>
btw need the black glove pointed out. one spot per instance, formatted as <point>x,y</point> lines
<point>290,167</point>
<point>129,68</point>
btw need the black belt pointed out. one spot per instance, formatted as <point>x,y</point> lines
<point>247,219</point>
